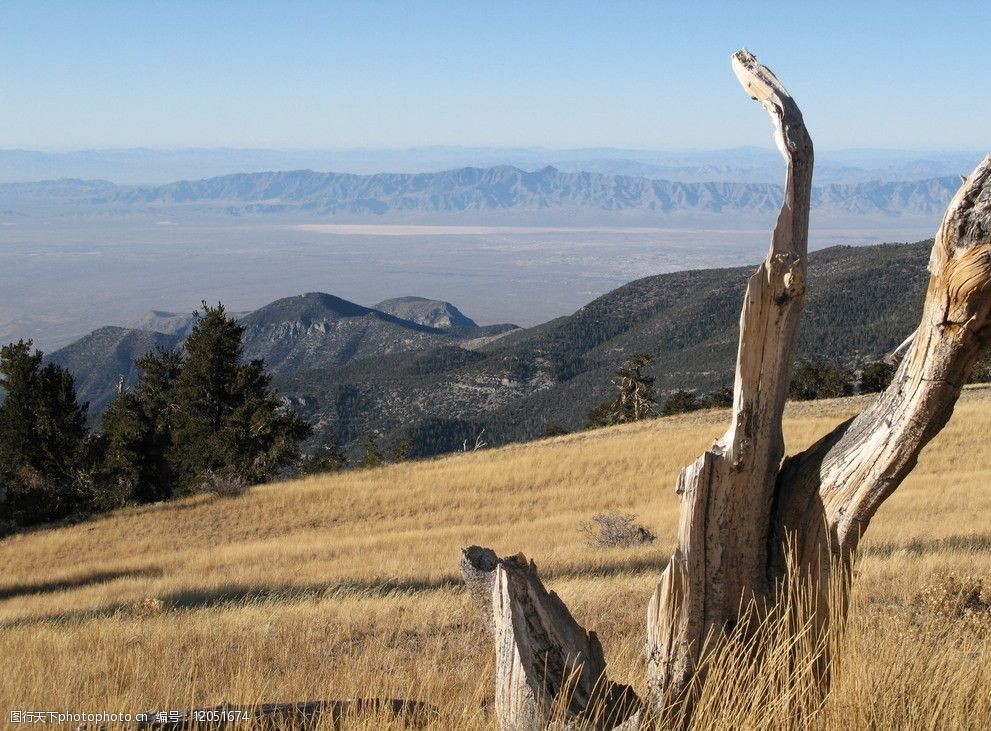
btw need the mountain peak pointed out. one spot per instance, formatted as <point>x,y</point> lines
<point>423,311</point>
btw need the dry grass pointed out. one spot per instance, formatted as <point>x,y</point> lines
<point>341,586</point>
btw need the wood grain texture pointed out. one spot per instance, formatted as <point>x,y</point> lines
<point>548,668</point>
<point>721,556</point>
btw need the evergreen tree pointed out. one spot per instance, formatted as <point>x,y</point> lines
<point>373,456</point>
<point>635,399</point>
<point>401,449</point>
<point>818,381</point>
<point>981,372</point>
<point>42,436</point>
<point>720,399</point>
<point>19,378</point>
<point>331,459</point>
<point>138,432</point>
<point>227,419</point>
<point>876,376</point>
<point>682,401</point>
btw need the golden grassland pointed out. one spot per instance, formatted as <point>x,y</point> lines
<point>347,585</point>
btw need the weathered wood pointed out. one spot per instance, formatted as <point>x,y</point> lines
<point>748,517</point>
<point>548,667</point>
<point>720,562</point>
<point>477,568</point>
<point>828,494</point>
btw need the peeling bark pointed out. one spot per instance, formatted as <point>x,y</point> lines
<point>828,494</point>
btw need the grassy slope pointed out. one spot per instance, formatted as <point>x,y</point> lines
<point>347,585</point>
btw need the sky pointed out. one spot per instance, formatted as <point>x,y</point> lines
<point>650,75</point>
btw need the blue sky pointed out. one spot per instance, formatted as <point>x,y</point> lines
<point>554,74</point>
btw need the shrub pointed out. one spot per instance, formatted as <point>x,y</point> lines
<point>225,485</point>
<point>981,373</point>
<point>876,376</point>
<point>402,449</point>
<point>819,380</point>
<point>373,455</point>
<point>681,402</point>
<point>145,608</point>
<point>956,597</point>
<point>721,398</point>
<point>616,529</point>
<point>329,460</point>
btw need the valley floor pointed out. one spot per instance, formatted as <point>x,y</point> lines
<point>347,585</point>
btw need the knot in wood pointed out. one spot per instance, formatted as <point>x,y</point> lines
<point>966,279</point>
<point>786,276</point>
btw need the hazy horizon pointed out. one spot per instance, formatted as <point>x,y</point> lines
<point>151,94</point>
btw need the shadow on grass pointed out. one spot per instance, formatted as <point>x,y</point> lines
<point>970,543</point>
<point>194,599</point>
<point>9,591</point>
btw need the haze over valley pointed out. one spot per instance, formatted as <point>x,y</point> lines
<point>508,245</point>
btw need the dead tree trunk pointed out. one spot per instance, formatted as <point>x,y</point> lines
<point>720,562</point>
<point>749,516</point>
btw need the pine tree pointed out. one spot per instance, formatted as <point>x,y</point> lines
<point>138,432</point>
<point>682,401</point>
<point>981,372</point>
<point>402,449</point>
<point>331,459</point>
<point>42,435</point>
<point>227,419</point>
<point>373,456</point>
<point>19,379</point>
<point>819,380</point>
<point>720,398</point>
<point>635,399</point>
<point>876,376</point>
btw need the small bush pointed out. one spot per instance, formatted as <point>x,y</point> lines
<point>373,455</point>
<point>329,460</point>
<point>720,399</point>
<point>819,380</point>
<point>402,449</point>
<point>616,529</point>
<point>875,377</point>
<point>225,485</point>
<point>681,402</point>
<point>956,597</point>
<point>981,372</point>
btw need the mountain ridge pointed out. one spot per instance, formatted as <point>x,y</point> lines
<point>472,189</point>
<point>354,371</point>
<point>291,333</point>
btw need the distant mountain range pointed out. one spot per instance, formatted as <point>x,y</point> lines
<point>435,377</point>
<point>741,164</point>
<point>502,188</point>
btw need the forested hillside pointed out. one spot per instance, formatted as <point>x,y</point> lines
<point>862,303</point>
<point>357,372</point>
